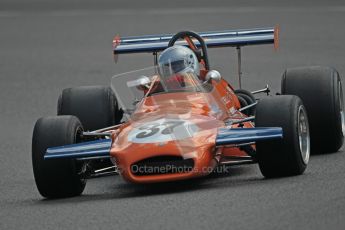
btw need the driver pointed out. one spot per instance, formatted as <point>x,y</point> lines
<point>176,65</point>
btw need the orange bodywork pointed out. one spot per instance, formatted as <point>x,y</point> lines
<point>202,114</point>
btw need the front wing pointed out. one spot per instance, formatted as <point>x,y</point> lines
<point>101,148</point>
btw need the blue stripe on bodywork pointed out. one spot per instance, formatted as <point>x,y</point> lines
<point>99,148</point>
<point>243,135</point>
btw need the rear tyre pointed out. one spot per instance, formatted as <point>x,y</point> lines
<point>321,92</point>
<point>288,156</point>
<point>249,98</point>
<point>242,101</point>
<point>246,92</point>
<point>56,178</point>
<point>95,106</point>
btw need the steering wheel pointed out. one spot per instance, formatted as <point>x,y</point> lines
<point>188,35</point>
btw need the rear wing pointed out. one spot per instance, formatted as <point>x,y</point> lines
<point>226,38</point>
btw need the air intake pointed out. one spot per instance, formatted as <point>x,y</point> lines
<point>162,165</point>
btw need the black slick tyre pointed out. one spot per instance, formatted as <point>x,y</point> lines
<point>95,106</point>
<point>321,92</point>
<point>287,156</point>
<point>60,177</point>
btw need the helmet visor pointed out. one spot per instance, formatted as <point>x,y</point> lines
<point>174,67</point>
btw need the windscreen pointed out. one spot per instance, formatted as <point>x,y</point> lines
<point>131,87</point>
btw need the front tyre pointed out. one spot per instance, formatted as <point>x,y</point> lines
<point>288,156</point>
<point>61,177</point>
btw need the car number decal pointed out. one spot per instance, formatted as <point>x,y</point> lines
<point>162,130</point>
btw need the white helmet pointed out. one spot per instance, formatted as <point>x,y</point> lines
<point>178,60</point>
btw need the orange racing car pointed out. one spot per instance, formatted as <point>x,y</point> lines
<point>180,119</point>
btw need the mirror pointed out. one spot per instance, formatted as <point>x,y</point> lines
<point>213,75</point>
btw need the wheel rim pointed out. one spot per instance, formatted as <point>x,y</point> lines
<point>303,135</point>
<point>341,106</point>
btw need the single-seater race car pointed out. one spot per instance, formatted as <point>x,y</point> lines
<point>180,119</point>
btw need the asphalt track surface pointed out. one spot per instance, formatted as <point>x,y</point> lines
<point>46,46</point>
